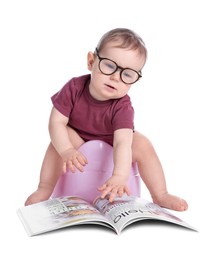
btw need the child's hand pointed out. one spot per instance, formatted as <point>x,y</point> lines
<point>114,186</point>
<point>72,159</point>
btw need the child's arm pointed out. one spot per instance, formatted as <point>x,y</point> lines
<point>62,143</point>
<point>117,184</point>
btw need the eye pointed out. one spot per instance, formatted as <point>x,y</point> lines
<point>109,64</point>
<point>128,73</point>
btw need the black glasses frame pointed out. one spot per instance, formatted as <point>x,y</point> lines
<point>117,68</point>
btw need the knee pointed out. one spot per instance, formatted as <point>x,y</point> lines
<point>141,146</point>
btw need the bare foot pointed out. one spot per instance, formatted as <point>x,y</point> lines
<point>171,202</point>
<point>40,194</point>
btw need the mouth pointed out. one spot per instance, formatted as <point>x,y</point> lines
<point>109,86</point>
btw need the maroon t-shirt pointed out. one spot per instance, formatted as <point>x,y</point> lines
<point>92,119</point>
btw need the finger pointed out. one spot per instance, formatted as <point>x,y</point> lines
<point>70,166</point>
<point>82,160</point>
<point>78,165</point>
<point>113,194</point>
<point>126,190</point>
<point>85,159</point>
<point>64,168</point>
<point>103,187</point>
<point>105,192</point>
<point>120,191</point>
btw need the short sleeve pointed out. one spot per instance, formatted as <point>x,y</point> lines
<point>124,115</point>
<point>63,99</point>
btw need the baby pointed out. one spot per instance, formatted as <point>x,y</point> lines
<point>97,107</point>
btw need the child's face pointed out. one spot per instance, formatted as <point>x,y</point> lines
<point>103,87</point>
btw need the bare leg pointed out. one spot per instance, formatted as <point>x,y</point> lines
<point>151,172</point>
<point>51,170</point>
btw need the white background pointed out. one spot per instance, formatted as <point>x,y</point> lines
<point>43,44</point>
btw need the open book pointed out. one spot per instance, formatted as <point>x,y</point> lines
<point>66,211</point>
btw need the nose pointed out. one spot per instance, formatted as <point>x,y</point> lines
<point>115,76</point>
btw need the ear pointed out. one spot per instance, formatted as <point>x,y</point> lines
<point>90,60</point>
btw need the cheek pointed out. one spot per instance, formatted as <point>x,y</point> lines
<point>96,77</point>
<point>124,90</point>
<point>94,70</point>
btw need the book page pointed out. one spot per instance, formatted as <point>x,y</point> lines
<point>128,209</point>
<point>56,213</point>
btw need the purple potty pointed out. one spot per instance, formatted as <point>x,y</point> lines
<point>99,168</point>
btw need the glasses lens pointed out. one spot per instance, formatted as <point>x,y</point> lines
<point>107,67</point>
<point>129,76</point>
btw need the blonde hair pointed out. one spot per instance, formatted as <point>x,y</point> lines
<point>125,38</point>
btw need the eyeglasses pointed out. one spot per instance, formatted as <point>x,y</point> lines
<point>109,67</point>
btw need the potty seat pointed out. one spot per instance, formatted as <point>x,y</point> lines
<point>99,168</point>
